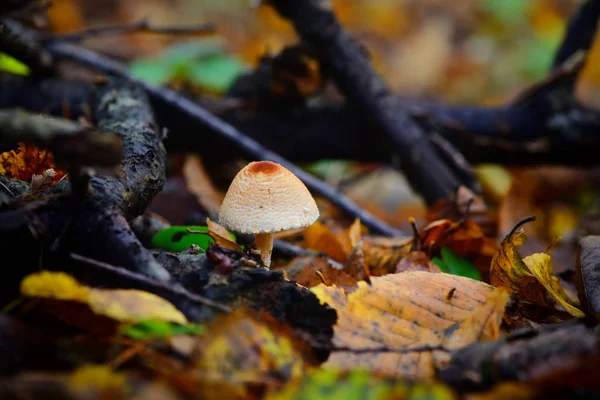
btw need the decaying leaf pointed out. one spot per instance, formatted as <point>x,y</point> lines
<point>41,183</point>
<point>200,185</point>
<point>465,204</point>
<point>530,279</point>
<point>64,297</point>
<point>320,384</point>
<point>409,310</point>
<point>305,271</point>
<point>416,261</point>
<point>239,354</point>
<point>464,238</point>
<point>26,161</point>
<point>383,254</point>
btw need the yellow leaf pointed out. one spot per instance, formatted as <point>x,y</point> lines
<point>530,279</point>
<point>123,305</point>
<point>408,310</point>
<point>99,377</point>
<point>55,285</point>
<point>323,383</point>
<point>540,266</point>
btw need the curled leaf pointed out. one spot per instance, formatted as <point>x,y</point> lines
<point>531,279</point>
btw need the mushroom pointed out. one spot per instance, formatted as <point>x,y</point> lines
<point>265,198</point>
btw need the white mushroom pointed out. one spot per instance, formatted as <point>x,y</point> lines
<point>265,198</point>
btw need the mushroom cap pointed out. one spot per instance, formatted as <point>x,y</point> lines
<point>265,197</point>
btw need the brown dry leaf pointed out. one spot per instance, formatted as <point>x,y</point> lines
<point>200,185</point>
<point>416,261</point>
<point>27,161</point>
<point>304,270</point>
<point>465,204</point>
<point>95,309</point>
<point>465,238</point>
<point>383,254</point>
<point>338,246</point>
<point>530,279</point>
<point>41,183</point>
<point>411,309</point>
<point>221,236</point>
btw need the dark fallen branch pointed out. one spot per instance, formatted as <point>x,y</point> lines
<point>549,357</point>
<point>168,101</point>
<point>44,232</point>
<point>141,26</point>
<point>350,69</point>
<point>12,6</point>
<point>235,281</point>
<point>337,132</point>
<point>580,32</point>
<point>71,142</point>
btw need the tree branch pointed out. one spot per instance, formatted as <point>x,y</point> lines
<point>366,91</point>
<point>71,142</point>
<point>184,109</point>
<point>580,32</point>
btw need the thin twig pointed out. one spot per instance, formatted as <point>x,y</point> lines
<point>141,26</point>
<point>151,284</point>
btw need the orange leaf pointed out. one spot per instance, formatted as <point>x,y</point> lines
<point>26,161</point>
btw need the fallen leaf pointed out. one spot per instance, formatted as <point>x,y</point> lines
<point>416,261</point>
<point>326,383</point>
<point>304,270</point>
<point>321,238</point>
<point>383,254</point>
<point>152,329</point>
<point>199,184</point>
<point>240,354</point>
<point>464,238</point>
<point>26,161</point>
<point>453,264</point>
<point>181,238</point>
<point>221,236</point>
<point>530,279</point>
<point>63,296</point>
<point>465,204</point>
<point>98,377</point>
<point>41,183</point>
<point>409,310</point>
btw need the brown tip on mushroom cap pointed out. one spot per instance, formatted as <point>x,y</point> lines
<point>265,197</point>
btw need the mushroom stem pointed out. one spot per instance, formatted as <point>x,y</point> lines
<point>264,244</point>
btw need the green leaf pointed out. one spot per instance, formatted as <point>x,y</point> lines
<point>177,238</point>
<point>12,65</point>
<point>321,384</point>
<point>204,62</point>
<point>441,265</point>
<point>159,329</point>
<point>458,265</point>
